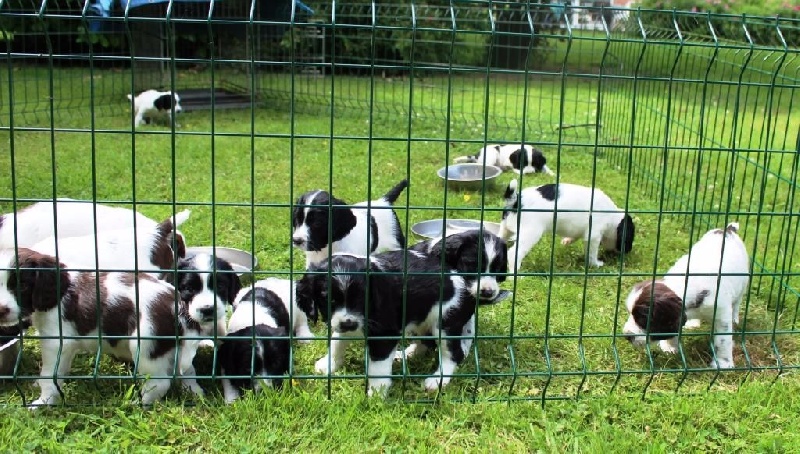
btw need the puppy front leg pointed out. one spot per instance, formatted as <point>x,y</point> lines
<point>453,352</point>
<point>301,328</point>
<point>723,339</point>
<point>55,361</point>
<point>230,392</point>
<point>335,357</point>
<point>593,249</point>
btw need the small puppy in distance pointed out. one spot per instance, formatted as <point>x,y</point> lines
<point>610,227</point>
<point>706,285</point>
<point>524,159</point>
<point>354,229</point>
<point>266,311</point>
<point>63,306</point>
<point>153,103</point>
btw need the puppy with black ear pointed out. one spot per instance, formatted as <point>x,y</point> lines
<point>370,297</point>
<point>355,229</point>
<point>572,212</point>
<point>151,103</point>
<point>524,159</point>
<point>706,285</point>
<point>257,343</point>
<point>206,284</point>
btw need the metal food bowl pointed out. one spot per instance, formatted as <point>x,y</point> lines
<point>433,228</point>
<point>469,176</point>
<point>241,261</point>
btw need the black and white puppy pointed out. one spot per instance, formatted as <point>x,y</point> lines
<point>523,159</point>
<point>148,104</point>
<point>137,313</point>
<point>206,284</point>
<point>705,285</point>
<point>572,212</point>
<point>382,305</point>
<point>355,230</point>
<point>257,343</point>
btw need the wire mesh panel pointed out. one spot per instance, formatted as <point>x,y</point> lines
<point>685,121</point>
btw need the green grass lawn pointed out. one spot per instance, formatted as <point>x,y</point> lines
<point>556,340</point>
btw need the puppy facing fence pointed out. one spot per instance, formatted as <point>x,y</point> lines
<point>359,229</point>
<point>571,211</point>
<point>705,285</point>
<point>371,297</point>
<point>266,312</point>
<point>137,320</point>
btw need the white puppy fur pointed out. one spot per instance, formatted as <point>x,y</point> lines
<point>36,223</point>
<point>705,285</point>
<point>63,306</point>
<point>148,249</point>
<point>524,159</point>
<point>570,212</point>
<point>245,313</point>
<point>151,103</point>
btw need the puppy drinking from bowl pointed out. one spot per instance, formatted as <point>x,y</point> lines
<point>570,212</point>
<point>524,159</point>
<point>705,285</point>
<point>355,230</point>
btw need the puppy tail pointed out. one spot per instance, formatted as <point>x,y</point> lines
<point>510,195</point>
<point>395,192</point>
<point>181,217</point>
<point>733,227</point>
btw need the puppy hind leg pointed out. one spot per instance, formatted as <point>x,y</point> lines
<point>723,339</point>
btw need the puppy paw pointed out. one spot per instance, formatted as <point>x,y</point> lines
<point>692,324</point>
<point>379,387</point>
<point>596,263</point>
<point>722,363</point>
<point>192,385</point>
<point>306,333</point>
<point>206,343</point>
<point>41,402</point>
<point>668,346</point>
<point>323,367</point>
<point>432,383</point>
<point>567,241</point>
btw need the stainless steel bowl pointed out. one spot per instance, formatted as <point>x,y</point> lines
<point>433,227</point>
<point>241,261</point>
<point>469,176</point>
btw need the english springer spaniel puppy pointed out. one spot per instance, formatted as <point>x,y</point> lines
<point>569,210</point>
<point>148,104</point>
<point>36,222</point>
<point>524,159</point>
<point>206,284</point>
<point>70,316</point>
<point>371,297</point>
<point>148,249</point>
<point>258,331</point>
<point>354,229</point>
<point>707,284</point>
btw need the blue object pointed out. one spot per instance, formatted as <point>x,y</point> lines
<point>102,8</point>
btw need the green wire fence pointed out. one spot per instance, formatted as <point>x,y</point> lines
<point>687,120</point>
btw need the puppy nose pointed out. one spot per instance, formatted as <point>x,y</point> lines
<point>348,325</point>
<point>297,241</point>
<point>487,293</point>
<point>207,311</point>
<point>4,311</point>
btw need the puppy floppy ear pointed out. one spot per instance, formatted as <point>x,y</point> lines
<point>45,282</point>
<point>234,288</point>
<point>304,294</point>
<point>453,245</point>
<point>667,315</point>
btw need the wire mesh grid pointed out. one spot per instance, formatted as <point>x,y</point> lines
<point>685,131</point>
